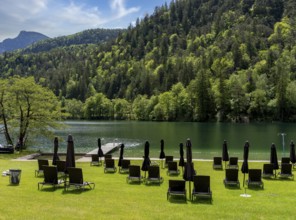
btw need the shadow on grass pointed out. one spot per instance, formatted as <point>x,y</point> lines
<point>135,183</point>
<point>123,173</point>
<point>283,179</point>
<point>76,191</point>
<point>269,178</point>
<point>177,199</point>
<point>40,176</point>
<point>232,187</point>
<point>13,185</point>
<point>205,201</point>
<point>219,170</point>
<point>278,179</point>
<point>173,175</point>
<point>153,184</point>
<point>50,188</point>
<point>254,188</point>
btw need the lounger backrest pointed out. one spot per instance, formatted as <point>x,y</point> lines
<point>153,172</point>
<point>134,171</point>
<point>61,165</point>
<point>125,164</point>
<point>177,185</point>
<point>217,160</point>
<point>95,158</point>
<point>231,174</point>
<point>108,156</point>
<point>233,160</point>
<point>110,163</point>
<point>268,168</point>
<point>201,183</point>
<point>50,174</point>
<point>75,175</point>
<point>286,168</point>
<point>41,163</point>
<point>255,175</point>
<point>286,160</point>
<point>172,165</point>
<point>169,158</point>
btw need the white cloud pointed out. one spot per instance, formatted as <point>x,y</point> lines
<point>56,17</point>
<point>22,10</point>
<point>118,6</point>
<point>81,15</point>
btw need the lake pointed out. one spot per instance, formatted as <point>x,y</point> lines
<point>206,138</point>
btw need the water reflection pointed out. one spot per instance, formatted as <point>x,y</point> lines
<point>206,138</point>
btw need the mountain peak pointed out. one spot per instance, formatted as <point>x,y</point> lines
<point>24,39</point>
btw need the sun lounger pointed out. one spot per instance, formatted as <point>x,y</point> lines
<point>286,171</point>
<point>233,163</point>
<point>95,160</point>
<point>154,175</point>
<point>110,166</point>
<point>231,178</point>
<point>202,187</point>
<point>173,168</point>
<point>41,163</point>
<point>134,174</point>
<point>255,178</point>
<point>168,159</point>
<point>176,188</point>
<point>124,166</point>
<point>76,179</point>
<point>268,170</point>
<point>217,163</point>
<point>50,177</point>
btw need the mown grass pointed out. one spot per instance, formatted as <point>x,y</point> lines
<point>113,198</point>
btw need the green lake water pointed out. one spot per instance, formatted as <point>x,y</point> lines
<point>206,138</point>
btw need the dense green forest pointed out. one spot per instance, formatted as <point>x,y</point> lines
<point>191,60</point>
<point>92,36</point>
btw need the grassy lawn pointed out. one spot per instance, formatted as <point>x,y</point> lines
<point>113,198</point>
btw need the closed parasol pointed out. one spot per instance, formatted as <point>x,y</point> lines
<point>121,155</point>
<point>273,158</point>
<point>181,161</point>
<point>146,162</point>
<point>245,166</point>
<point>292,153</point>
<point>189,171</point>
<point>55,151</point>
<point>225,156</point>
<point>162,154</point>
<point>100,152</point>
<point>70,156</point>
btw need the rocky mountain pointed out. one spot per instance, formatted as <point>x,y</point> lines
<point>24,39</point>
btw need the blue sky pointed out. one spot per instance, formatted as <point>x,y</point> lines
<point>63,17</point>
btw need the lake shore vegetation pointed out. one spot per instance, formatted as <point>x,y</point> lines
<point>27,110</point>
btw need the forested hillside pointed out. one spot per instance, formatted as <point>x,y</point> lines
<point>92,36</point>
<point>195,60</point>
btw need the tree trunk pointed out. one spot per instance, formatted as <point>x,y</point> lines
<point>6,132</point>
<point>24,124</point>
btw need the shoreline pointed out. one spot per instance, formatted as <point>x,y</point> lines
<point>87,158</point>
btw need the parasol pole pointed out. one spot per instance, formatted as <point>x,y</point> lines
<point>189,189</point>
<point>283,142</point>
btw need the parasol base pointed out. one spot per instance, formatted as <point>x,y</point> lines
<point>245,195</point>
